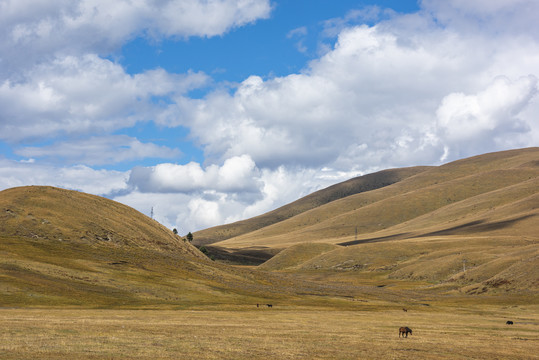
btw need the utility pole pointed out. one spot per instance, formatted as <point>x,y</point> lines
<point>151,213</point>
<point>356,235</point>
<point>464,265</point>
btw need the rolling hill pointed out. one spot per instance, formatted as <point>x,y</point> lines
<point>338,191</point>
<point>63,248</point>
<point>471,224</point>
<point>467,227</point>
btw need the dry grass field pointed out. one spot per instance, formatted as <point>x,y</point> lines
<point>83,277</point>
<point>282,332</point>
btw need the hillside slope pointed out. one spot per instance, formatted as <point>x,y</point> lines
<point>486,194</point>
<point>65,248</point>
<point>46,213</point>
<point>338,191</point>
<point>471,226</point>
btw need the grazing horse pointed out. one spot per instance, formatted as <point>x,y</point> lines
<point>509,322</point>
<point>404,331</point>
<point>269,305</point>
<point>404,309</point>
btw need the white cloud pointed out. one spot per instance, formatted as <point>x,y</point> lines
<point>373,101</point>
<point>79,177</point>
<point>479,121</point>
<point>99,151</point>
<point>73,95</point>
<point>492,17</point>
<point>456,79</point>
<point>404,92</point>
<point>237,174</point>
<point>193,198</point>
<point>34,31</point>
<point>299,35</point>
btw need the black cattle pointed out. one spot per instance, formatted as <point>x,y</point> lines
<point>509,322</point>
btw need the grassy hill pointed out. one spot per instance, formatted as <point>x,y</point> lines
<point>481,212</point>
<point>312,201</point>
<point>66,248</point>
<point>478,194</point>
<point>467,227</point>
<point>455,246</point>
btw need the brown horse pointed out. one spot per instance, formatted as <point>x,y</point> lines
<point>404,331</point>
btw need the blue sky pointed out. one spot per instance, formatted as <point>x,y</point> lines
<point>211,112</point>
<point>265,48</point>
<point>276,46</point>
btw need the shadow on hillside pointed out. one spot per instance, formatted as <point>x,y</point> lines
<point>377,239</point>
<point>253,256</point>
<point>477,226</point>
<point>468,228</point>
<point>259,255</point>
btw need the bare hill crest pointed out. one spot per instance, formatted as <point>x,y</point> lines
<point>52,214</point>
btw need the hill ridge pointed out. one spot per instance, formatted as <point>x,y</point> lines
<point>475,187</point>
<point>332,193</point>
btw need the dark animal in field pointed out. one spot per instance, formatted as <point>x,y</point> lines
<point>269,305</point>
<point>509,322</point>
<point>257,305</point>
<point>404,331</point>
<point>405,310</point>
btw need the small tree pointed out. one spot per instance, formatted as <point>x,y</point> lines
<point>175,231</point>
<point>189,237</point>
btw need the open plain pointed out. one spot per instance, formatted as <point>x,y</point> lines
<point>280,332</point>
<point>451,252</point>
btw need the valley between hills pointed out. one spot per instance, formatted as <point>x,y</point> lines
<point>421,246</point>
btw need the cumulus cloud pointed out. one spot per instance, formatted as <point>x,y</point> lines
<point>34,31</point>
<point>192,205</point>
<point>237,174</point>
<point>403,92</point>
<point>375,99</point>
<point>455,79</point>
<point>99,151</point>
<point>77,95</point>
<point>78,177</point>
<point>480,120</point>
<point>54,77</point>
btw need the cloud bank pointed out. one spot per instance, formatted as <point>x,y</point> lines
<point>455,79</point>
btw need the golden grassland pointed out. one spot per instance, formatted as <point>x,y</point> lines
<point>281,332</point>
<point>344,189</point>
<point>83,277</point>
<point>484,194</point>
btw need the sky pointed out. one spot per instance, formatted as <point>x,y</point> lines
<point>205,112</point>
